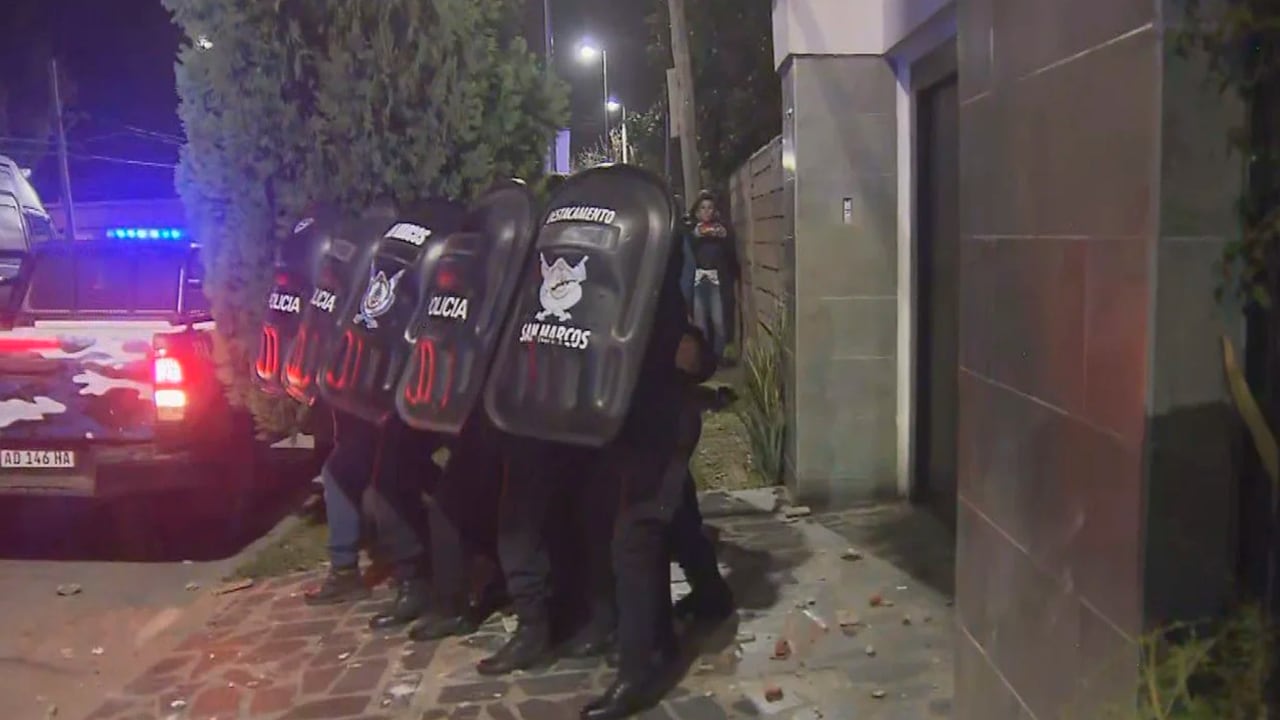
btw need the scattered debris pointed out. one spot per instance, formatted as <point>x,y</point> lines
<point>781,649</point>
<point>68,653</point>
<point>906,619</point>
<point>851,554</point>
<point>51,712</point>
<point>235,587</point>
<point>797,511</point>
<point>69,589</point>
<point>877,600</point>
<point>871,651</point>
<point>813,617</point>
<point>847,619</point>
<point>745,637</point>
<point>901,588</point>
<point>927,619</point>
<point>178,704</point>
<point>193,586</point>
<point>98,651</point>
<point>772,693</point>
<point>878,694</point>
<point>510,623</point>
<point>343,657</point>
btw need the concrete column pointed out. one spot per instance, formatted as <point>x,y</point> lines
<point>841,152</point>
<point>1094,478</point>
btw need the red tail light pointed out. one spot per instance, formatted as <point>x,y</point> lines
<point>28,344</point>
<point>168,371</point>
<point>169,394</point>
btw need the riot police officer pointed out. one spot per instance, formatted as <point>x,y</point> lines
<point>639,459</point>
<point>544,481</point>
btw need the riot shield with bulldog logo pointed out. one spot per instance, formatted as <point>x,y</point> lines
<point>362,370</point>
<point>291,289</point>
<point>335,262</point>
<point>466,284</point>
<point>572,351</point>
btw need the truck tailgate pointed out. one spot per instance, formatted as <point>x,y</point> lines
<point>76,381</point>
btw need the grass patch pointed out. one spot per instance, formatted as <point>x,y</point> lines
<point>723,458</point>
<point>304,546</point>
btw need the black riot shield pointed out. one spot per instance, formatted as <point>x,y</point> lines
<point>335,262</point>
<point>466,283</point>
<point>290,291</point>
<point>572,350</point>
<point>362,370</point>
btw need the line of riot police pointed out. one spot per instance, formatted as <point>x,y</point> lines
<point>549,350</point>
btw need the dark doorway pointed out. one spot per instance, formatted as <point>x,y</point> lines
<point>937,296</point>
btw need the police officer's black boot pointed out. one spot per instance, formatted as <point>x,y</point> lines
<point>412,599</point>
<point>634,691</point>
<point>710,602</point>
<point>341,585</point>
<point>455,619</point>
<point>529,646</point>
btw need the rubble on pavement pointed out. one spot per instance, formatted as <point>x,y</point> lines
<point>810,641</point>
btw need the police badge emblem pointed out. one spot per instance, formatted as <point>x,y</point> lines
<point>378,299</point>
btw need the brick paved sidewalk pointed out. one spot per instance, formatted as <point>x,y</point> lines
<point>822,633</point>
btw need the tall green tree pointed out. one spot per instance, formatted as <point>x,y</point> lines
<point>737,89</point>
<point>287,102</point>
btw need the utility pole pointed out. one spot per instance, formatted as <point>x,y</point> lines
<point>688,116</point>
<point>548,51</point>
<point>67,205</point>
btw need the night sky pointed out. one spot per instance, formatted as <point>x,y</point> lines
<point>119,55</point>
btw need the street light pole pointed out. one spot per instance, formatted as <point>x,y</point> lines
<point>626,148</point>
<point>604,70</point>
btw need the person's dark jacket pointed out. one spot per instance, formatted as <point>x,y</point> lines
<point>708,253</point>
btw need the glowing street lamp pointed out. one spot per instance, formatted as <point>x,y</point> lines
<point>587,53</point>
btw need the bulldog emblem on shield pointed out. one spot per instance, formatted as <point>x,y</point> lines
<point>561,287</point>
<point>378,299</point>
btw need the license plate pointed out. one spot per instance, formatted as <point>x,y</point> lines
<point>23,459</point>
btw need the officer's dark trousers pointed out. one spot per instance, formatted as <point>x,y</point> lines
<point>403,470</point>
<point>652,488</point>
<point>464,515</point>
<point>690,548</point>
<point>546,484</point>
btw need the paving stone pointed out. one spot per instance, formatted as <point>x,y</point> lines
<point>309,628</point>
<point>400,691</point>
<point>317,681</point>
<point>483,691</point>
<point>111,708</point>
<point>466,712</point>
<point>380,645</point>
<point>271,701</point>
<point>500,712</point>
<point>420,656</point>
<point>538,709</point>
<point>150,684</point>
<point>272,651</point>
<point>698,708</point>
<point>171,664</point>
<point>435,714</point>
<point>329,708</point>
<point>216,702</point>
<point>362,677</point>
<point>655,713</point>
<point>557,684</point>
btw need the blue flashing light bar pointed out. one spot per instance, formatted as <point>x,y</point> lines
<point>131,233</point>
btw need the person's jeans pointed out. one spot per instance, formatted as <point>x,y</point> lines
<point>708,314</point>
<point>342,502</point>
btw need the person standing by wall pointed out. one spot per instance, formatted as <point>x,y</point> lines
<point>711,247</point>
